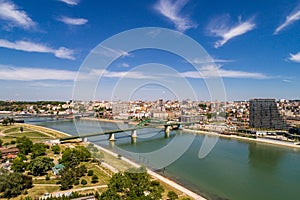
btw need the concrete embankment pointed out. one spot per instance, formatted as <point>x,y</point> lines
<point>260,140</point>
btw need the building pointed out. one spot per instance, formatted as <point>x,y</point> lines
<point>265,114</point>
<point>9,153</point>
<point>57,168</point>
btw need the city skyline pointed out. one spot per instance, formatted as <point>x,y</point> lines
<point>253,44</point>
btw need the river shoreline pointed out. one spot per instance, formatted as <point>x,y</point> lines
<point>258,140</point>
<point>151,173</point>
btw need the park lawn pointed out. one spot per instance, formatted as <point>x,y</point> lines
<point>116,162</point>
<point>12,129</point>
<point>38,191</point>
<point>43,181</point>
<point>30,134</point>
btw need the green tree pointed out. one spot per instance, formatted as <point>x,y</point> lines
<point>55,149</point>
<point>38,149</point>
<point>67,179</point>
<point>24,145</point>
<point>80,171</point>
<point>1,142</point>
<point>40,165</point>
<point>83,182</point>
<point>95,179</point>
<point>11,121</point>
<point>72,157</point>
<point>18,165</point>
<point>172,195</point>
<point>13,184</point>
<point>5,122</point>
<point>21,129</point>
<point>90,173</point>
<point>133,184</point>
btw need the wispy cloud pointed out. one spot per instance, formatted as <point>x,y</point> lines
<point>110,52</point>
<point>14,16</point>
<point>222,28</point>
<point>286,81</point>
<point>73,21</point>
<point>62,52</point>
<point>70,2</point>
<point>291,18</point>
<point>210,71</point>
<point>125,65</point>
<point>172,11</point>
<point>295,57</point>
<point>208,61</point>
<point>33,74</point>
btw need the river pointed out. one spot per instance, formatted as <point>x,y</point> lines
<point>234,169</point>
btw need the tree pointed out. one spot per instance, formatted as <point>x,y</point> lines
<point>11,121</point>
<point>18,165</point>
<point>83,182</point>
<point>55,149</point>
<point>1,142</point>
<point>80,171</point>
<point>172,195</point>
<point>38,149</point>
<point>12,184</point>
<point>40,165</point>
<point>72,157</point>
<point>24,144</point>
<point>90,173</point>
<point>95,179</point>
<point>21,129</point>
<point>5,121</point>
<point>67,179</point>
<point>133,184</point>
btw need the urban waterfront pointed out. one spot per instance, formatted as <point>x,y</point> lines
<point>233,170</point>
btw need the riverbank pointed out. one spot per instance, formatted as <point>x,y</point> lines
<point>259,140</point>
<point>165,180</point>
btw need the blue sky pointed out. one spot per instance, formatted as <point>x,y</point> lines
<point>255,45</point>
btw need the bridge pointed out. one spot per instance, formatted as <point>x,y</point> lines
<point>142,125</point>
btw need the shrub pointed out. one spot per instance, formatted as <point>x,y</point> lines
<point>83,182</point>
<point>76,182</point>
<point>47,178</point>
<point>94,179</point>
<point>90,173</point>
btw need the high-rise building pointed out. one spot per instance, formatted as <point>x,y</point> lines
<point>264,114</point>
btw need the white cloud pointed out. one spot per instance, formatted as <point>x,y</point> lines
<point>221,28</point>
<point>287,81</point>
<point>125,65</point>
<point>73,21</point>
<point>294,16</point>
<point>171,10</point>
<point>210,71</point>
<point>62,52</point>
<point>110,52</point>
<point>33,74</point>
<point>16,17</point>
<point>295,57</point>
<point>70,2</point>
<point>207,61</point>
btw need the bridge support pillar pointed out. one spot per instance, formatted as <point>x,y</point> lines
<point>167,131</point>
<point>133,140</point>
<point>133,134</point>
<point>84,139</point>
<point>112,137</point>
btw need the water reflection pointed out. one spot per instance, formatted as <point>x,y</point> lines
<point>264,157</point>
